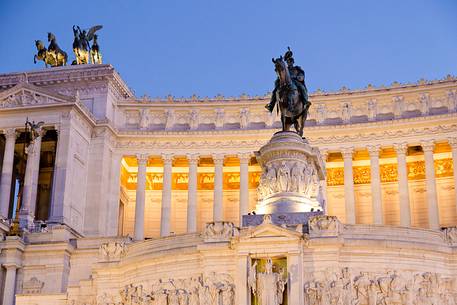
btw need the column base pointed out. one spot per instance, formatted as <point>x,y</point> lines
<point>25,220</point>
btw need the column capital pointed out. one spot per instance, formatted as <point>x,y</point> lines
<point>10,133</point>
<point>142,159</point>
<point>218,159</point>
<point>10,266</point>
<point>373,150</point>
<point>193,158</point>
<point>401,148</point>
<point>428,146</point>
<point>167,158</point>
<point>452,142</point>
<point>347,152</point>
<point>244,157</point>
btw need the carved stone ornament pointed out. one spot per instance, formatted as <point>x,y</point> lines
<point>350,287</point>
<point>219,231</point>
<point>320,223</point>
<point>32,286</point>
<point>291,175</point>
<point>450,235</point>
<point>113,250</point>
<point>213,288</point>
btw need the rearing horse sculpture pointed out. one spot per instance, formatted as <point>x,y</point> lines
<point>293,109</point>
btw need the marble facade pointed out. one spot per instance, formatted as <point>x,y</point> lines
<point>147,195</point>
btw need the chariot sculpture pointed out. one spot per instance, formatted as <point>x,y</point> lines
<point>85,53</point>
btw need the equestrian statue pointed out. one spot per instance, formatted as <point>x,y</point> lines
<point>53,56</point>
<point>290,93</point>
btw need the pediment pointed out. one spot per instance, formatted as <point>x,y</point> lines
<point>268,231</point>
<point>25,94</point>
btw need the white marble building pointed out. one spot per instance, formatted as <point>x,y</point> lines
<point>118,191</point>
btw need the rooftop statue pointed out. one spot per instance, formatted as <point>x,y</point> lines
<point>53,55</point>
<point>82,47</point>
<point>290,93</point>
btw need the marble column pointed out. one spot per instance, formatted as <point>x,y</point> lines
<point>453,144</point>
<point>375,178</point>
<point>218,185</point>
<point>165,213</point>
<point>403,190</point>
<point>140,196</point>
<point>432,201</point>
<point>59,212</point>
<point>9,285</point>
<point>244,185</point>
<point>27,212</point>
<point>192,193</point>
<point>349,185</point>
<point>112,225</point>
<point>7,171</point>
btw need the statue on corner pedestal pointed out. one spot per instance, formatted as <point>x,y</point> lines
<point>290,93</point>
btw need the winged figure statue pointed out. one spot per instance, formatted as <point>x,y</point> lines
<point>82,47</point>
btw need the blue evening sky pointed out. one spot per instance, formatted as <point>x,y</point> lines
<point>212,47</point>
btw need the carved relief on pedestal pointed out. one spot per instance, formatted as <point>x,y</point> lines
<point>213,288</point>
<point>32,286</point>
<point>291,175</point>
<point>387,288</point>
<point>219,231</point>
<point>113,250</point>
<point>323,225</point>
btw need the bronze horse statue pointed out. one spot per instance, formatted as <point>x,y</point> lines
<point>59,55</point>
<point>53,55</point>
<point>291,105</point>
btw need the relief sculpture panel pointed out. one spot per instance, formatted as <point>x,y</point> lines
<point>211,289</point>
<point>351,287</point>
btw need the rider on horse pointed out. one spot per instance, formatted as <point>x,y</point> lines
<point>298,77</point>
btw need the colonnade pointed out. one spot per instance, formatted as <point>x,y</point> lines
<point>165,215</point>
<point>404,201</point>
<point>30,190</point>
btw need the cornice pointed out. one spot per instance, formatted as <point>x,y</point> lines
<point>67,74</point>
<point>344,93</point>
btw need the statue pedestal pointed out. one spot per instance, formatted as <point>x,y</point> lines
<point>292,171</point>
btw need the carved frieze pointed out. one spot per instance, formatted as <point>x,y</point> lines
<point>212,288</point>
<point>391,287</point>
